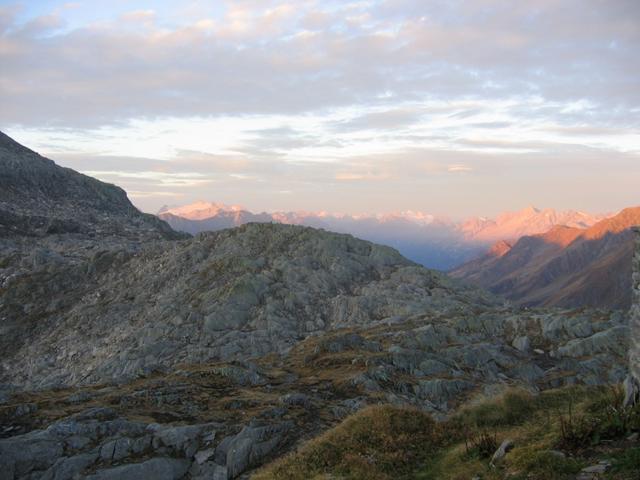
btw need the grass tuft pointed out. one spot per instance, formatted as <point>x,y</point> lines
<point>555,433</point>
<point>377,443</point>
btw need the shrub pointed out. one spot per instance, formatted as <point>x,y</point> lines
<point>576,431</point>
<point>604,417</point>
<point>482,445</point>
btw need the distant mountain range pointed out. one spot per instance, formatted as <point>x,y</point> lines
<point>565,266</point>
<point>432,241</point>
<point>529,221</point>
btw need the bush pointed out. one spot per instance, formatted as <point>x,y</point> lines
<point>604,418</point>
<point>627,461</point>
<point>483,445</point>
<point>614,420</point>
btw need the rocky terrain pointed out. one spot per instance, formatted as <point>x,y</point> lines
<point>216,420</point>
<point>232,294</point>
<point>565,267</point>
<point>129,351</point>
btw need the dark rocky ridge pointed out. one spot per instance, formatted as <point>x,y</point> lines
<point>227,295</point>
<point>59,231</point>
<point>38,197</point>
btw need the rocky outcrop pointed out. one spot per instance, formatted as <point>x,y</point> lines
<point>96,444</point>
<point>39,198</point>
<point>60,231</point>
<point>226,295</point>
<point>223,419</point>
<point>632,383</point>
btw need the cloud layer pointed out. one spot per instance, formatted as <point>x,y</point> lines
<point>308,96</point>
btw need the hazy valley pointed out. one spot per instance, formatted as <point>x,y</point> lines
<point>434,242</point>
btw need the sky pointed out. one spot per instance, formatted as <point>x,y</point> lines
<point>455,108</point>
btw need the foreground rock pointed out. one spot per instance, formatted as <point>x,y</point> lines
<point>97,444</point>
<point>221,420</point>
<point>632,383</point>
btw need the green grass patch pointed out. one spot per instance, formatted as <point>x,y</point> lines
<point>627,461</point>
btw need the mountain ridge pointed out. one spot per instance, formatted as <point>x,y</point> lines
<point>564,266</point>
<point>433,241</point>
<point>38,197</point>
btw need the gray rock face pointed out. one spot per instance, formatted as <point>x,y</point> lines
<point>59,232</point>
<point>522,343</point>
<point>113,447</point>
<point>156,468</point>
<point>502,451</point>
<point>34,451</point>
<point>249,447</point>
<point>227,295</point>
<point>37,197</point>
<point>432,362</point>
<point>632,384</point>
<point>68,468</point>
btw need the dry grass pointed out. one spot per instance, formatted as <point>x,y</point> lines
<point>385,442</point>
<point>377,443</point>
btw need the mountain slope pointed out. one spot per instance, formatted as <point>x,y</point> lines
<point>231,294</point>
<point>563,267</point>
<point>511,226</point>
<point>38,197</point>
<point>59,231</point>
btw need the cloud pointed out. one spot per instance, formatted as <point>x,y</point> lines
<point>419,178</point>
<point>146,17</point>
<point>370,103</point>
<point>459,168</point>
<point>264,57</point>
<point>136,194</point>
<point>382,120</point>
<point>169,179</point>
<point>588,130</point>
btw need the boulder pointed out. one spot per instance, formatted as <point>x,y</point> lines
<point>523,344</point>
<point>26,453</point>
<point>501,452</point>
<point>156,469</point>
<point>68,468</point>
<point>250,447</point>
<point>296,399</point>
